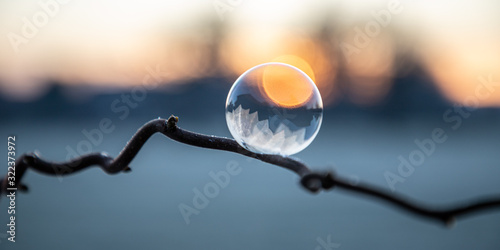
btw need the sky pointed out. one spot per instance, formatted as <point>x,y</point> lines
<point>363,45</point>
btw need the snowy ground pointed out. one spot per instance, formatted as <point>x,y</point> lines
<point>262,206</point>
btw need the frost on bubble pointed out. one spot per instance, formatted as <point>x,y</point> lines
<point>256,135</point>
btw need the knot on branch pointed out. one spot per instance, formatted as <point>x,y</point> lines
<point>314,182</point>
<point>172,122</point>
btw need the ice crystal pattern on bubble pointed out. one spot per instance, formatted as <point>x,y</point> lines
<point>281,122</point>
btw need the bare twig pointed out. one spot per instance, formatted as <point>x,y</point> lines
<point>310,180</point>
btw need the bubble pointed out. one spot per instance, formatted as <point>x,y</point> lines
<point>274,108</point>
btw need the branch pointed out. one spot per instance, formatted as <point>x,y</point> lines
<point>310,180</point>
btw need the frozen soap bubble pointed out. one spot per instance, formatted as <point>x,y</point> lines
<point>274,108</point>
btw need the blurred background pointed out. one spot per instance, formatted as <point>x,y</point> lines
<point>390,73</point>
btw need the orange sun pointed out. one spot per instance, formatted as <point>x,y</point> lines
<point>286,86</point>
